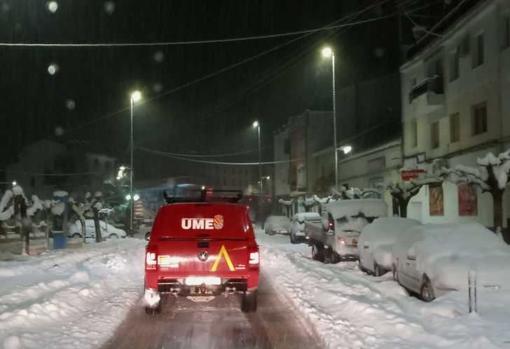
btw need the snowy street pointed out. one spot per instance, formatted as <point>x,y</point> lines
<point>90,298</point>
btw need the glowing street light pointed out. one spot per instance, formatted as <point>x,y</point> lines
<point>328,53</point>
<point>256,124</point>
<point>14,183</point>
<point>135,97</point>
<point>346,149</point>
<point>128,197</point>
<point>136,197</point>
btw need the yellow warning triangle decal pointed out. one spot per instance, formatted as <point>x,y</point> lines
<point>223,253</point>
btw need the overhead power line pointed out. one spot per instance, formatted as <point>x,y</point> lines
<point>210,162</point>
<point>190,42</point>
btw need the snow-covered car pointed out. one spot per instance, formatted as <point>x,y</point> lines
<point>297,229</point>
<point>432,259</point>
<point>108,231</point>
<point>376,242</point>
<point>335,238</point>
<point>277,225</point>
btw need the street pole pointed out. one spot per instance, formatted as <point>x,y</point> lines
<point>334,118</point>
<point>260,160</point>
<point>131,143</point>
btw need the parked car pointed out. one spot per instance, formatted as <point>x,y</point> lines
<point>376,242</point>
<point>277,225</point>
<point>432,259</point>
<point>335,238</point>
<point>297,229</point>
<point>108,231</point>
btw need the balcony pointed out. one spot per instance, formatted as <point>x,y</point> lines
<point>428,96</point>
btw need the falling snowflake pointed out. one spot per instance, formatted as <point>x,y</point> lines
<point>53,68</point>
<point>109,7</point>
<point>52,6</point>
<point>59,131</point>
<point>5,7</point>
<point>70,104</point>
<point>157,87</point>
<point>159,56</point>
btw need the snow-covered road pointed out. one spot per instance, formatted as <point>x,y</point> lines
<point>79,298</point>
<point>69,299</point>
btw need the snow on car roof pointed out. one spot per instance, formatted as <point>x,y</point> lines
<point>350,208</point>
<point>457,237</point>
<point>305,215</point>
<point>385,226</point>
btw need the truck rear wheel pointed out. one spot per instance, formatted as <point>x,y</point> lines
<point>249,302</point>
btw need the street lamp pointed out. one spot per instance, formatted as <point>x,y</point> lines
<point>346,149</point>
<point>256,125</point>
<point>136,96</point>
<point>328,53</point>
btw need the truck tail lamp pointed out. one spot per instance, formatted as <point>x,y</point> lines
<point>254,258</point>
<point>151,261</point>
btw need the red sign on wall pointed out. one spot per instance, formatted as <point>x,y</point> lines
<point>408,175</point>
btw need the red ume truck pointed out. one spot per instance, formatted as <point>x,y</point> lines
<point>200,250</point>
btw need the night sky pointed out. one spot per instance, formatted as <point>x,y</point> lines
<point>213,115</point>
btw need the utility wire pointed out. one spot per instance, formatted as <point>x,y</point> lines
<point>178,43</point>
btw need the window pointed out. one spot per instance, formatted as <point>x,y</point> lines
<point>505,31</point>
<point>454,128</point>
<point>414,134</point>
<point>454,65</point>
<point>434,134</point>
<point>479,118</point>
<point>479,50</point>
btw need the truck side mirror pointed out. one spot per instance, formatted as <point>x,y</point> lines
<point>147,236</point>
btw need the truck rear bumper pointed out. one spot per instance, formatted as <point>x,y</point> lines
<point>176,284</point>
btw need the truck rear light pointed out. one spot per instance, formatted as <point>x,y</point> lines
<point>150,261</point>
<point>254,258</point>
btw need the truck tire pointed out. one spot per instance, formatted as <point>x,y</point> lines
<point>317,252</point>
<point>249,302</point>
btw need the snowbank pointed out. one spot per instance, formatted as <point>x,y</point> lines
<point>71,298</point>
<point>352,310</point>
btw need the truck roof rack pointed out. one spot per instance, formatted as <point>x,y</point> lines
<point>204,195</point>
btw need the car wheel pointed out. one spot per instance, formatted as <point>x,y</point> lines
<point>426,290</point>
<point>76,236</point>
<point>378,271</point>
<point>317,252</point>
<point>113,236</point>
<point>249,302</point>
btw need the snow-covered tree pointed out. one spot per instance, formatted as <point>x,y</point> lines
<point>402,192</point>
<point>491,176</point>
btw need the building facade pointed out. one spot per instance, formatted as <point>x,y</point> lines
<point>455,107</point>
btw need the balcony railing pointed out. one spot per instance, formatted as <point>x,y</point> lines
<point>432,84</point>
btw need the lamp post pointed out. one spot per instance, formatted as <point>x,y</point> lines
<point>327,52</point>
<point>136,96</point>
<point>256,125</point>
